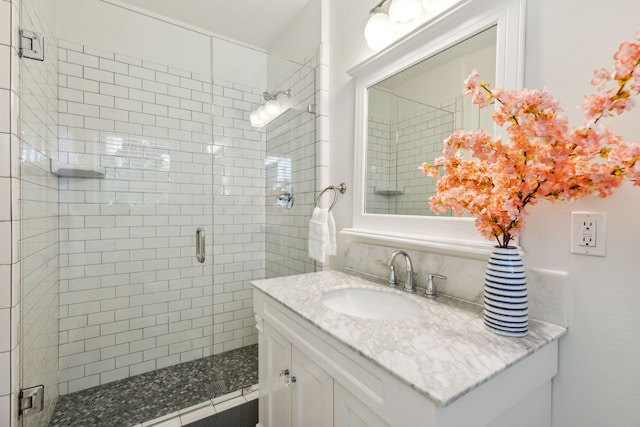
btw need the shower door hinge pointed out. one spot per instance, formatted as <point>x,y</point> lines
<point>31,45</point>
<point>31,400</point>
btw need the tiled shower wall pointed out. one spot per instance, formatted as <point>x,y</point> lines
<point>419,140</point>
<point>132,296</point>
<point>379,177</point>
<point>238,237</point>
<point>399,147</point>
<point>291,166</point>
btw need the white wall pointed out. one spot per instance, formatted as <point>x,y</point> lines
<point>299,41</point>
<point>599,373</point>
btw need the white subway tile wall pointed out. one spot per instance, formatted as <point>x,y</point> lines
<point>395,150</point>
<point>419,140</point>
<point>179,153</point>
<point>379,177</point>
<point>35,212</point>
<point>239,214</point>
<point>133,298</point>
<point>291,167</point>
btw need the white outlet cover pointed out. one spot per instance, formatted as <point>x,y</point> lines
<point>600,218</point>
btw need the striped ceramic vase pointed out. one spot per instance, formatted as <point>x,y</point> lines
<point>505,293</point>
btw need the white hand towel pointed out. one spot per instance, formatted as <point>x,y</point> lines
<point>332,247</point>
<point>319,234</point>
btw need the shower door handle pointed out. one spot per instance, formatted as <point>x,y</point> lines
<point>200,245</point>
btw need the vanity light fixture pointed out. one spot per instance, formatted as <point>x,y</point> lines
<point>270,110</point>
<point>379,31</point>
<point>391,19</point>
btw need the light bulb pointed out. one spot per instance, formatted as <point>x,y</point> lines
<point>262,115</point>
<point>405,15</point>
<point>437,5</point>
<point>378,31</point>
<point>255,120</point>
<point>273,107</point>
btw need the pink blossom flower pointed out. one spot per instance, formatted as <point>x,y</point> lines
<point>471,83</point>
<point>544,158</point>
<point>601,76</point>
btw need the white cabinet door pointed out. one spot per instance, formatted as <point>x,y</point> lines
<point>349,411</point>
<point>312,393</point>
<point>277,396</point>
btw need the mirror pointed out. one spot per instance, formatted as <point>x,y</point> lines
<point>411,113</point>
<point>408,98</point>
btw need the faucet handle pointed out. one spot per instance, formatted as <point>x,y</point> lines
<point>430,289</point>
<point>393,281</point>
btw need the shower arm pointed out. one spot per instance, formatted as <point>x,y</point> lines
<point>268,96</point>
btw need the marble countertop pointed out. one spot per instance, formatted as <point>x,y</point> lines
<point>443,353</point>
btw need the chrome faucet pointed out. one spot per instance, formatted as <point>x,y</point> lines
<point>410,276</point>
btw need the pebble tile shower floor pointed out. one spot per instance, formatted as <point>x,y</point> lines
<point>153,394</point>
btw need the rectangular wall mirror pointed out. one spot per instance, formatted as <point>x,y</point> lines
<point>411,113</point>
<point>409,98</point>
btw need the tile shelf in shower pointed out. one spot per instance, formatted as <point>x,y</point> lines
<point>388,191</point>
<point>76,170</point>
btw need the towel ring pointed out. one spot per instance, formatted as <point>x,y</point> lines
<point>342,188</point>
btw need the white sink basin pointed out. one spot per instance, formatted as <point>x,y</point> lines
<point>370,304</point>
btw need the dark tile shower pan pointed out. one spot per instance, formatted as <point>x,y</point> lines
<point>153,394</point>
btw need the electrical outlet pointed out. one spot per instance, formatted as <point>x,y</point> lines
<point>588,233</point>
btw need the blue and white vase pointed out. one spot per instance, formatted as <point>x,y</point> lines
<point>506,309</point>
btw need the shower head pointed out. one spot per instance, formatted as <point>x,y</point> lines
<point>273,95</point>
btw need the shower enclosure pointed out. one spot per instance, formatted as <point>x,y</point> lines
<point>136,147</point>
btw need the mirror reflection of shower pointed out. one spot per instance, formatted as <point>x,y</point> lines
<point>400,131</point>
<point>411,113</point>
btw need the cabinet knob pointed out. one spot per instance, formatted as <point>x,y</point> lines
<point>287,378</point>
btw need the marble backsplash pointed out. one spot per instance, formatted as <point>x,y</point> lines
<point>547,289</point>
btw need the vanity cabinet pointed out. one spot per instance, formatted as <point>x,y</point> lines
<point>297,392</point>
<point>331,382</point>
<point>349,411</point>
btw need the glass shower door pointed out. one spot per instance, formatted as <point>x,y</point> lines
<point>116,316</point>
<point>37,341</point>
<point>291,167</point>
